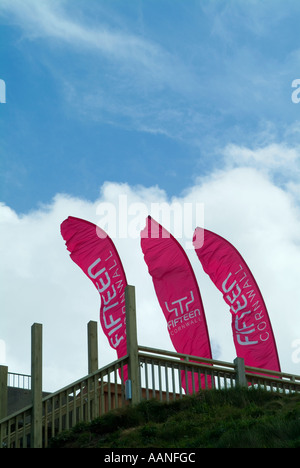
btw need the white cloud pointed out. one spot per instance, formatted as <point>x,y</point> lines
<point>41,283</point>
<point>133,79</point>
<point>274,157</point>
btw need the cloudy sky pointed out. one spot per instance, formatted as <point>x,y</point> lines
<point>189,103</point>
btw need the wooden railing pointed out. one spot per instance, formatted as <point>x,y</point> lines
<point>22,381</point>
<point>161,375</point>
<point>152,373</point>
<point>164,371</point>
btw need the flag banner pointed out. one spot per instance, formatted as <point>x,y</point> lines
<point>94,252</point>
<point>251,327</point>
<point>178,295</point>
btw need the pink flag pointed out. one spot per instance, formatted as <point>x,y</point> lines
<point>177,292</point>
<point>252,332</point>
<point>94,252</point>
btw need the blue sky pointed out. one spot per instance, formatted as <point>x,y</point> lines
<point>159,101</point>
<point>142,92</point>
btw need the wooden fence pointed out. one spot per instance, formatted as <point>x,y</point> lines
<point>152,373</point>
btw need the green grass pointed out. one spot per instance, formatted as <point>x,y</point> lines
<point>235,418</point>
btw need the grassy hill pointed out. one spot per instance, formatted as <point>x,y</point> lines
<point>239,418</point>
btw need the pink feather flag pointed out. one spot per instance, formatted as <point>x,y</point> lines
<point>94,252</point>
<point>251,326</point>
<point>178,294</point>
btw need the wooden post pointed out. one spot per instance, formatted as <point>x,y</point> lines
<point>3,391</point>
<point>132,345</point>
<point>239,364</point>
<point>36,385</point>
<point>92,347</point>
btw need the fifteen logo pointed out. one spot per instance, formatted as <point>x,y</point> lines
<point>112,291</point>
<point>184,313</point>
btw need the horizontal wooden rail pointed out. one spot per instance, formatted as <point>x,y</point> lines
<point>152,373</point>
<point>104,390</point>
<point>81,401</point>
